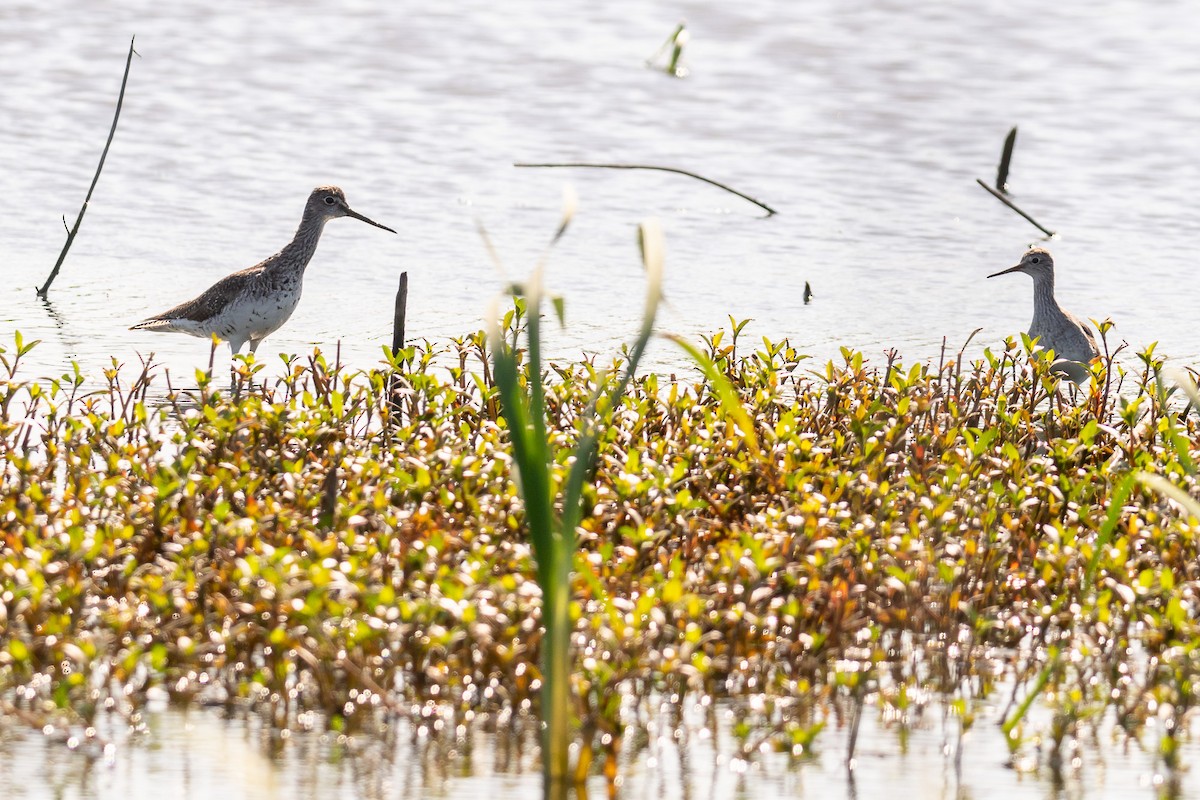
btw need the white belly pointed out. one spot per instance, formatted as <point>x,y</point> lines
<point>252,317</point>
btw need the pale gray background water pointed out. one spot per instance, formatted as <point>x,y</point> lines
<point>865,123</point>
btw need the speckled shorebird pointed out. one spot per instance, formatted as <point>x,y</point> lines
<point>249,305</point>
<point>1054,328</point>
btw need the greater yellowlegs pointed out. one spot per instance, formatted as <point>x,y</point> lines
<point>249,305</point>
<point>1054,328</point>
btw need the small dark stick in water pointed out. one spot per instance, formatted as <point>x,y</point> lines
<point>398,337</point>
<point>1013,206</point>
<point>398,317</point>
<point>808,294</point>
<point>1005,160</point>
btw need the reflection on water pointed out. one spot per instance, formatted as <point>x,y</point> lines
<point>201,753</point>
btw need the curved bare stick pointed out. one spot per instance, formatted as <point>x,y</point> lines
<point>770,211</point>
<point>1013,206</point>
<point>74,230</point>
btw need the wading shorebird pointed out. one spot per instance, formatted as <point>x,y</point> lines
<point>1054,328</point>
<point>249,305</point>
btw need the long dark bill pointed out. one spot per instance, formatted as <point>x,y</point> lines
<point>356,215</point>
<point>994,274</point>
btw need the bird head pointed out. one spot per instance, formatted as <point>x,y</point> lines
<point>1036,263</point>
<point>330,202</point>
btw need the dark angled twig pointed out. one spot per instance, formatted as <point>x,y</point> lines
<point>74,230</point>
<point>770,211</point>
<point>1013,206</point>
<point>1005,160</point>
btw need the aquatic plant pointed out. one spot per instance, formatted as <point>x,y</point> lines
<point>551,531</point>
<point>673,49</point>
<point>327,550</point>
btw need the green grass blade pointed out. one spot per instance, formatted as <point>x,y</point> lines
<point>1039,685</point>
<point>730,403</point>
<point>1185,382</point>
<point>529,452</point>
<point>1169,490</point>
<point>651,246</point>
<point>1117,500</point>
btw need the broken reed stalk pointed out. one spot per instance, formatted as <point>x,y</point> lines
<point>398,335</point>
<point>770,211</point>
<point>669,43</point>
<point>1013,206</point>
<point>1005,160</point>
<point>95,178</point>
<point>398,319</point>
<point>674,45</point>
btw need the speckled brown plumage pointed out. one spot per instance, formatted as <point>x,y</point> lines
<point>252,303</point>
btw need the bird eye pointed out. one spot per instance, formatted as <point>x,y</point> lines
<point>1035,260</point>
<point>329,200</point>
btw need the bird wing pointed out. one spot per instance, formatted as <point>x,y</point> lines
<point>209,303</point>
<point>1087,333</point>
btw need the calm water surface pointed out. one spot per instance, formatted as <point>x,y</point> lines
<point>864,123</point>
<point>197,755</point>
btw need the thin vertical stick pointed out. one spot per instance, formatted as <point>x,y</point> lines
<point>74,230</point>
<point>398,339</point>
<point>398,319</point>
